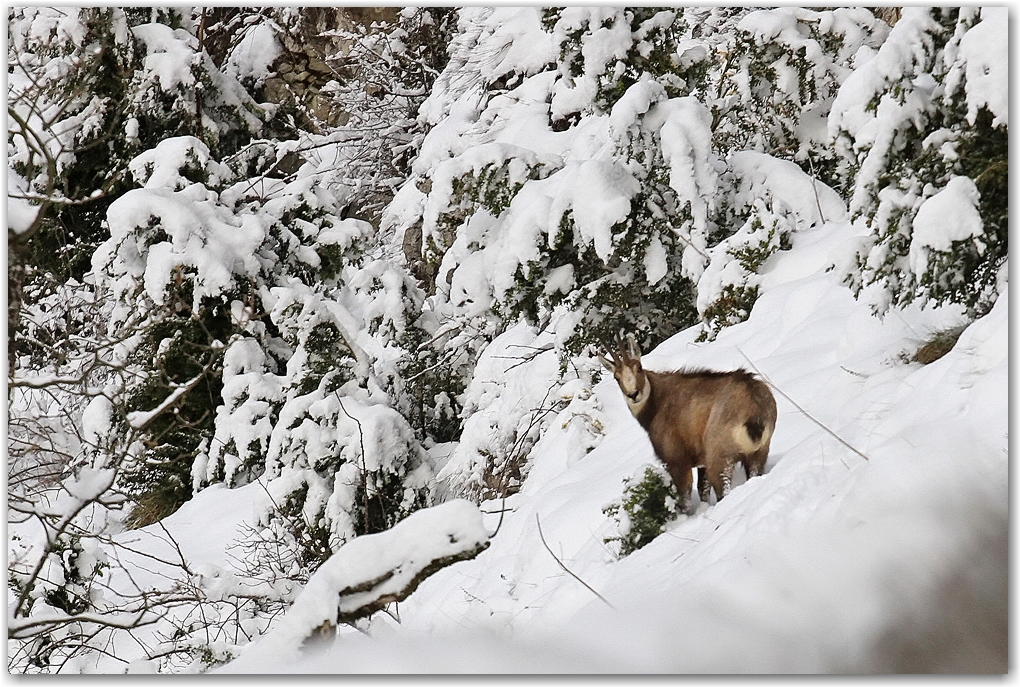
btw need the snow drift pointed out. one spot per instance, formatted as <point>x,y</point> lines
<point>829,562</point>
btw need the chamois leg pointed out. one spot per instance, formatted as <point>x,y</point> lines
<point>754,463</point>
<point>683,478</point>
<point>720,473</point>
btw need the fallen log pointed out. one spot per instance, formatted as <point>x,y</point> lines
<point>374,570</point>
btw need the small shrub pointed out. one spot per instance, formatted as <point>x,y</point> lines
<point>648,504</point>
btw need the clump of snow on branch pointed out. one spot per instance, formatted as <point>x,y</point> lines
<point>515,395</point>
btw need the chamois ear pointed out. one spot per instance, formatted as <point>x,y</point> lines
<point>605,363</point>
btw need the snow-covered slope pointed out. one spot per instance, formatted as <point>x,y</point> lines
<point>265,329</point>
<point>830,561</point>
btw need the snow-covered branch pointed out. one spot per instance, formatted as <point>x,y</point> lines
<point>374,570</point>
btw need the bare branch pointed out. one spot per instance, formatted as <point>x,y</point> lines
<point>798,407</point>
<point>565,568</point>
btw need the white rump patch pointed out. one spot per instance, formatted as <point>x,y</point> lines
<point>744,441</point>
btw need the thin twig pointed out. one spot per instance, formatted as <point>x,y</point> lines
<point>798,406</point>
<point>565,568</point>
<point>814,187</point>
<point>364,464</point>
<point>502,511</point>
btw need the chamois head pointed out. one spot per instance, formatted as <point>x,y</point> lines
<point>625,364</point>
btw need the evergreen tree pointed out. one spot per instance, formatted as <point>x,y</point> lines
<point>924,124</point>
<point>92,88</point>
<point>634,205</point>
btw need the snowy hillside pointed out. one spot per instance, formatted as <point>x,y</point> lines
<point>306,309</point>
<point>801,570</point>
<point>829,562</point>
<point>808,568</point>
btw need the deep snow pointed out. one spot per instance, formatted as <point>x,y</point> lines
<point>800,570</point>
<point>832,561</point>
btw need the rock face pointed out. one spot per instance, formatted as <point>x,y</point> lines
<point>314,48</point>
<point>890,15</point>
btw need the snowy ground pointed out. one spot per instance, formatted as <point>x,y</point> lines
<point>829,562</point>
<point>877,539</point>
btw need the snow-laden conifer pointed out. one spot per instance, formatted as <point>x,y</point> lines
<point>924,124</point>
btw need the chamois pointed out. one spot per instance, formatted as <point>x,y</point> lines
<point>698,418</point>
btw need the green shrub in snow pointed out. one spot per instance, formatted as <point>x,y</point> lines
<point>735,272</point>
<point>651,35</point>
<point>647,506</point>
<point>432,385</point>
<point>175,350</point>
<point>777,80</point>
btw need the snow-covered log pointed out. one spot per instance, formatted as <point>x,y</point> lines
<point>376,569</point>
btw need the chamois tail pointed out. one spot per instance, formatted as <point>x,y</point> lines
<point>755,428</point>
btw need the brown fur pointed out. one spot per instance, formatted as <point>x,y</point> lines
<point>700,418</point>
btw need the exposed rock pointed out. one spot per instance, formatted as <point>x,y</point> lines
<point>311,44</point>
<point>318,66</point>
<point>890,15</point>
